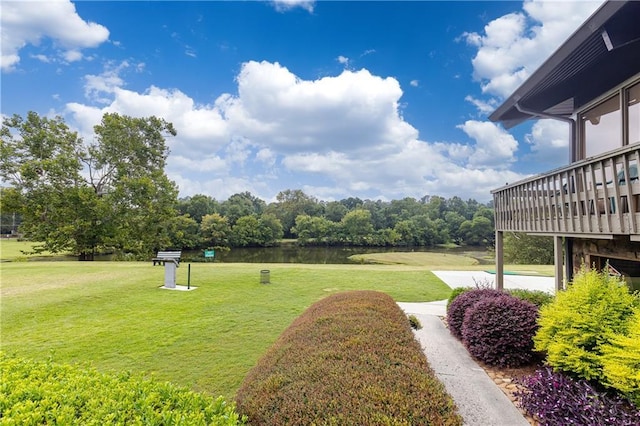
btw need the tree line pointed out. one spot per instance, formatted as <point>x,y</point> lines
<point>113,195</point>
<point>245,220</point>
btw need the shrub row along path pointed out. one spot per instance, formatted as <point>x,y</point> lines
<point>479,400</point>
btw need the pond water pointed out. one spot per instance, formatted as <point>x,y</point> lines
<point>289,253</point>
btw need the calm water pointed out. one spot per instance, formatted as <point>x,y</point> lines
<point>295,254</point>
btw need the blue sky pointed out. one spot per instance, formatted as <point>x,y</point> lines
<point>377,100</point>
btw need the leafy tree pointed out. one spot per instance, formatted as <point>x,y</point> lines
<point>271,230</point>
<point>378,210</point>
<point>245,232</point>
<point>10,219</point>
<point>183,232</point>
<point>528,249</point>
<point>198,206</point>
<point>80,198</point>
<point>453,222</point>
<point>351,203</point>
<point>215,230</point>
<point>424,231</point>
<point>356,227</point>
<point>404,209</point>
<point>477,231</point>
<point>459,206</point>
<point>319,229</point>
<point>126,167</point>
<point>436,207</point>
<point>254,230</point>
<point>242,204</point>
<point>290,204</point>
<point>405,230</point>
<point>335,211</point>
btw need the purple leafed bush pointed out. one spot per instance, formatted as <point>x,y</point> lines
<point>499,330</point>
<point>558,400</point>
<point>459,306</point>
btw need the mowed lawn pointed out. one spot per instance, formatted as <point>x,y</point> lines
<point>114,316</point>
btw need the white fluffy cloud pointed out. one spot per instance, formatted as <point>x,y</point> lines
<point>28,22</point>
<point>549,142</point>
<point>495,147</point>
<point>346,132</point>
<point>514,45</point>
<point>285,5</point>
<point>352,112</point>
<point>201,128</point>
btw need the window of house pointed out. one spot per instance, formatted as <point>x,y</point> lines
<point>633,105</point>
<point>602,127</point>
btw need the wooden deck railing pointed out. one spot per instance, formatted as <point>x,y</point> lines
<point>599,197</point>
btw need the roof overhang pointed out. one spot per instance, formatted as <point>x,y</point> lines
<point>603,53</point>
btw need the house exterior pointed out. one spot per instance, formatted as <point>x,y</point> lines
<point>591,206</point>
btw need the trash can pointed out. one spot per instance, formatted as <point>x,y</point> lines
<point>264,276</point>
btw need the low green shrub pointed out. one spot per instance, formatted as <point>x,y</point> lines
<point>537,297</point>
<point>414,322</point>
<point>349,359</point>
<point>457,292</point>
<point>499,331</point>
<point>458,308</point>
<point>581,320</point>
<point>621,361</point>
<point>48,393</point>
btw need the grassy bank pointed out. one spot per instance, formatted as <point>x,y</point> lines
<point>113,315</point>
<point>446,262</point>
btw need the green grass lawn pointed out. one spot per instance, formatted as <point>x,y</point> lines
<point>12,249</point>
<point>114,316</point>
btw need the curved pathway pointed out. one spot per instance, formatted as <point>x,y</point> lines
<point>479,400</point>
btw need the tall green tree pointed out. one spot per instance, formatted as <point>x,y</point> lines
<point>356,227</point>
<point>241,204</point>
<point>521,248</point>
<point>183,232</point>
<point>254,230</point>
<point>318,229</point>
<point>335,211</point>
<point>215,231</point>
<point>292,203</point>
<point>81,198</point>
<point>198,206</point>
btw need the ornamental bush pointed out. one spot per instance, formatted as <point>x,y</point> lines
<point>458,308</point>
<point>581,320</point>
<point>48,393</point>
<point>555,399</point>
<point>349,359</point>
<point>621,361</point>
<point>499,330</point>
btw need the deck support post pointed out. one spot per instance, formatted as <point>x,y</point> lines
<point>558,262</point>
<point>499,260</point>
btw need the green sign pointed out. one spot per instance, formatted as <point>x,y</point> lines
<point>209,253</point>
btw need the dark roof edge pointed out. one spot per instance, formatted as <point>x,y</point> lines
<point>592,24</point>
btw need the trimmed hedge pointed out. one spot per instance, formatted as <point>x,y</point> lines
<point>349,359</point>
<point>47,393</point>
<point>460,305</point>
<point>499,331</point>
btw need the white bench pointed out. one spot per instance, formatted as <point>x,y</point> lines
<point>167,256</point>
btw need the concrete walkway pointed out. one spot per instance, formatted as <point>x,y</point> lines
<point>479,400</point>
